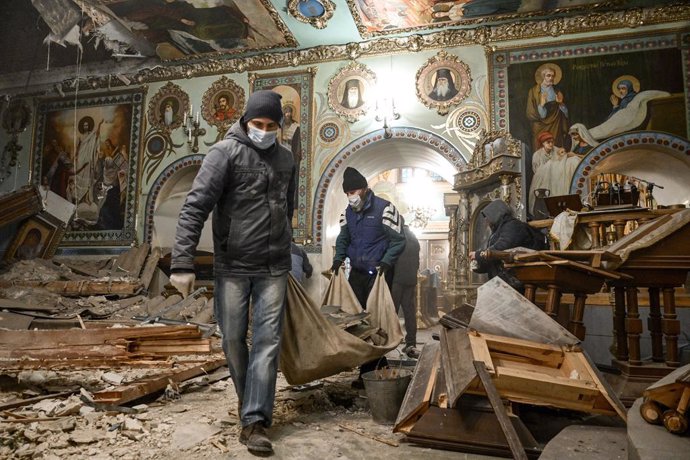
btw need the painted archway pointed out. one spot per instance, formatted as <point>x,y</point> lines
<point>161,184</point>
<point>652,156</point>
<point>375,152</point>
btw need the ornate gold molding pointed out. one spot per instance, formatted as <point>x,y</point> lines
<point>319,22</point>
<point>448,38</point>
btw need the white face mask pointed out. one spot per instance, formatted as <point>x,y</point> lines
<point>260,138</point>
<point>355,201</point>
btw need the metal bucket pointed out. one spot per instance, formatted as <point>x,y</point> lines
<point>385,395</point>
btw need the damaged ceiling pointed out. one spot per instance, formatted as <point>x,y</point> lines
<point>90,35</point>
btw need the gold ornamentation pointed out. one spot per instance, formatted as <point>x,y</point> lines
<point>316,21</point>
<point>447,38</point>
<point>158,114</point>
<point>447,70</point>
<point>351,106</point>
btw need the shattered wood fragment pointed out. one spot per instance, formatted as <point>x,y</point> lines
<point>20,204</point>
<point>80,288</point>
<point>150,267</point>
<point>112,342</point>
<point>130,262</point>
<point>418,394</point>
<point>136,390</point>
<point>35,399</point>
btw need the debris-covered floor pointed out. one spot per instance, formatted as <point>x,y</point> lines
<point>199,421</point>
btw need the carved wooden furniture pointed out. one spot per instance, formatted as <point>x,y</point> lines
<point>657,256</point>
<point>494,172</point>
<point>561,276</point>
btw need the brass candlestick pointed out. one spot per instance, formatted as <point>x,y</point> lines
<point>192,130</point>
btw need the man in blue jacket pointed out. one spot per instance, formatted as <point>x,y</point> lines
<point>371,236</point>
<point>248,181</point>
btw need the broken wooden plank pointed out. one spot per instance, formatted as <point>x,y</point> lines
<point>150,267</point>
<point>418,394</point>
<point>130,262</point>
<point>80,288</point>
<point>20,204</point>
<point>456,359</point>
<point>14,304</point>
<point>9,320</point>
<point>28,401</point>
<point>516,447</point>
<point>127,393</point>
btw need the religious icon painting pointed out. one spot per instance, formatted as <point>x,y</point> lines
<point>297,99</point>
<point>314,12</point>
<point>168,107</point>
<point>87,152</point>
<point>443,82</point>
<point>222,104</point>
<point>351,91</point>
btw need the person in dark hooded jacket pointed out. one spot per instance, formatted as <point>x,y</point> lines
<point>248,181</point>
<point>507,232</point>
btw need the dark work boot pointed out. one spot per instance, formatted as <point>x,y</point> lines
<point>254,437</point>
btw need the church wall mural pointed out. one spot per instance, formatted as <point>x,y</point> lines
<point>562,101</point>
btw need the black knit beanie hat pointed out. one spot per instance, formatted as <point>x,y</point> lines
<point>353,180</point>
<point>264,103</point>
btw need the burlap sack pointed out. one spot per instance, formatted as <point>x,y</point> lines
<point>313,348</point>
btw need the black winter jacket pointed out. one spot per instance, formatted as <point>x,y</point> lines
<point>251,194</point>
<point>508,232</point>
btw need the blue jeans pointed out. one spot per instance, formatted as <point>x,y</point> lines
<point>253,371</point>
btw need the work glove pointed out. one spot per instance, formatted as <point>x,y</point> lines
<point>336,265</point>
<point>383,268</point>
<point>183,282</point>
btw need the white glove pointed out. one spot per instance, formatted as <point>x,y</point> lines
<point>183,282</point>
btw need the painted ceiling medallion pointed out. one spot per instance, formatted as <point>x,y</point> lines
<point>351,91</point>
<point>443,81</point>
<point>314,12</point>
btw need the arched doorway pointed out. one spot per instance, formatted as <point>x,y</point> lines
<point>373,154</point>
<point>165,200</point>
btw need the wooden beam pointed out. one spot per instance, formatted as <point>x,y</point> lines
<point>80,288</point>
<point>511,435</point>
<point>127,393</point>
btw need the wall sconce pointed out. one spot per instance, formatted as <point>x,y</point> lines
<point>385,111</point>
<point>192,129</point>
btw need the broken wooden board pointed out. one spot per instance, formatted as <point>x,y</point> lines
<point>542,374</point>
<point>149,268</point>
<point>9,320</point>
<point>459,317</point>
<point>14,304</point>
<point>110,342</point>
<point>20,204</point>
<point>456,359</point>
<point>127,393</point>
<point>501,310</point>
<point>418,395</point>
<point>471,430</point>
<point>80,288</point>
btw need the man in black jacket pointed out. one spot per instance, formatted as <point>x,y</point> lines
<point>507,232</point>
<point>404,290</point>
<point>248,181</point>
